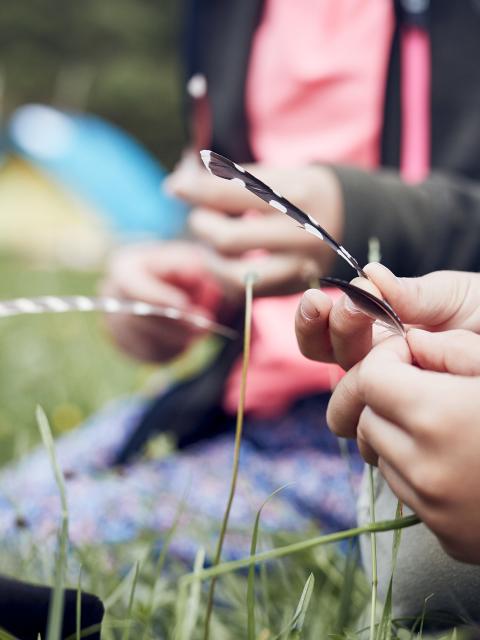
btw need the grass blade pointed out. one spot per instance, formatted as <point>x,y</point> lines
<point>295,626</point>
<point>422,618</point>
<point>161,560</point>
<point>346,598</point>
<point>249,280</point>
<point>251,571</point>
<point>385,626</point>
<point>299,617</point>
<point>373,542</point>
<point>121,588</point>
<point>79,606</point>
<point>189,605</point>
<point>94,628</point>
<point>4,635</point>
<point>303,545</point>
<point>126,634</point>
<point>55,613</point>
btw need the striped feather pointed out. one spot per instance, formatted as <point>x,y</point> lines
<point>379,309</point>
<point>368,303</point>
<point>224,168</point>
<point>64,304</point>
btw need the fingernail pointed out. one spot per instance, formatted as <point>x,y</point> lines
<point>308,309</point>
<point>379,265</point>
<point>413,334</point>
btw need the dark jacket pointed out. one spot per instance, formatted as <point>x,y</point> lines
<point>421,228</point>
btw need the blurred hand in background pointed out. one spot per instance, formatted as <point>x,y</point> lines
<point>244,233</point>
<point>171,274</point>
<point>233,233</point>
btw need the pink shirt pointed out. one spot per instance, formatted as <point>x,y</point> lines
<point>315,92</point>
<point>316,81</point>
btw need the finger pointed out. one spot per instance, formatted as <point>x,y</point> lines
<point>276,274</point>
<point>367,452</point>
<point>350,328</point>
<point>157,332</point>
<point>234,236</point>
<point>414,399</point>
<point>431,300</point>
<point>385,439</point>
<point>150,339</point>
<point>171,274</point>
<point>400,487</point>
<point>303,185</point>
<point>345,406</point>
<point>312,326</point>
<point>146,287</point>
<point>194,184</point>
<point>456,352</point>
<point>361,386</point>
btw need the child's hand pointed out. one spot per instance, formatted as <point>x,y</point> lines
<point>422,427</point>
<point>342,333</point>
<point>292,256</point>
<point>171,274</point>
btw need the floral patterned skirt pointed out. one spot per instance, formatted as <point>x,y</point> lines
<point>109,505</point>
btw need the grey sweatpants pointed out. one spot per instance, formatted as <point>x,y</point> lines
<point>423,570</point>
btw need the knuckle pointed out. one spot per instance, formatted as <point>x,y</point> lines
<point>225,242</point>
<point>366,370</point>
<point>362,429</point>
<point>428,482</point>
<point>221,238</point>
<point>454,550</point>
<point>426,422</point>
<point>340,418</point>
<point>444,526</point>
<point>421,481</point>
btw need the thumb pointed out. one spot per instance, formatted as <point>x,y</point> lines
<point>456,352</point>
<point>431,300</point>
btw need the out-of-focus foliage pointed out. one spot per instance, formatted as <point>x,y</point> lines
<point>117,58</point>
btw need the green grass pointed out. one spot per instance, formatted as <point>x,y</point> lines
<point>66,365</point>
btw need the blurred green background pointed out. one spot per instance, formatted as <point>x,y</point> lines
<point>116,58</point>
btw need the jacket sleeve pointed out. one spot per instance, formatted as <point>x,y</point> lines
<point>423,227</point>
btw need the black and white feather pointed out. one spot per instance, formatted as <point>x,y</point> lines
<point>64,304</point>
<point>224,168</point>
<point>372,306</point>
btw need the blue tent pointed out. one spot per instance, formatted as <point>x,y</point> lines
<point>101,163</point>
